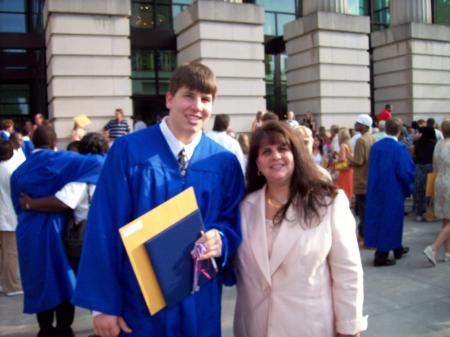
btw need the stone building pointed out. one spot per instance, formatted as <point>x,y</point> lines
<point>336,58</point>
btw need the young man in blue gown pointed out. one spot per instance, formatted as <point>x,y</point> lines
<point>141,172</point>
<point>391,180</point>
<point>48,281</point>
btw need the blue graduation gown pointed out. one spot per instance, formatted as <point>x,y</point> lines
<point>391,179</point>
<point>27,147</point>
<point>47,278</point>
<point>140,174</point>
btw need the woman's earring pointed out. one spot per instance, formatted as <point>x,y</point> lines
<point>259,173</point>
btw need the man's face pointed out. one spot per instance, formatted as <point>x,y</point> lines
<point>119,116</point>
<point>290,115</point>
<point>39,119</point>
<point>188,112</point>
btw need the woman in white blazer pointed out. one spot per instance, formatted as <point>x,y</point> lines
<point>299,270</point>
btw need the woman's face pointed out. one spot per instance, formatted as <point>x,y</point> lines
<point>276,163</point>
<point>316,143</point>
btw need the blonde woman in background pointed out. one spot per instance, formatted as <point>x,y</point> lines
<point>441,164</point>
<point>345,177</point>
<point>79,124</point>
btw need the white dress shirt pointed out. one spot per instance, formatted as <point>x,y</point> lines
<point>230,144</point>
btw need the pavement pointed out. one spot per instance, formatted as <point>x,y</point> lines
<point>410,299</point>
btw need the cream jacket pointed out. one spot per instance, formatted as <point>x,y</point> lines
<point>312,286</point>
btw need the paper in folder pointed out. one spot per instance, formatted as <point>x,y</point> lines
<point>159,244</point>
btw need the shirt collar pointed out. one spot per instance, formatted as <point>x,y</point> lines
<point>174,144</point>
<point>392,137</point>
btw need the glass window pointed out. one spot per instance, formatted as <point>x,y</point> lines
<point>143,72</point>
<point>13,23</point>
<point>151,71</point>
<point>270,24</point>
<point>287,6</point>
<point>13,16</point>
<point>278,13</point>
<point>164,17</point>
<point>441,12</point>
<point>150,14</point>
<point>381,17</point>
<point>16,6</point>
<point>357,7</point>
<point>37,16</point>
<point>142,15</point>
<point>282,19</point>
<point>167,62</point>
<point>14,99</point>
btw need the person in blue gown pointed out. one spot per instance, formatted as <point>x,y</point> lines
<point>143,170</point>
<point>48,281</point>
<point>391,180</point>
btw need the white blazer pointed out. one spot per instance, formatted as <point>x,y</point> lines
<point>312,286</point>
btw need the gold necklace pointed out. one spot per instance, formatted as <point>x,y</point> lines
<point>275,204</point>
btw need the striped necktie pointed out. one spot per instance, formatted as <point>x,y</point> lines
<point>182,161</point>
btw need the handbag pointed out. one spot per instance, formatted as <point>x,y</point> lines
<point>73,233</point>
<point>342,165</point>
<point>431,178</point>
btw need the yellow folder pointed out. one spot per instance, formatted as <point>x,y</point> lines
<point>137,232</point>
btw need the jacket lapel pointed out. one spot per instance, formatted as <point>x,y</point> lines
<point>257,232</point>
<point>288,236</point>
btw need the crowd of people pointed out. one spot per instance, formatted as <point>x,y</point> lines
<point>276,204</point>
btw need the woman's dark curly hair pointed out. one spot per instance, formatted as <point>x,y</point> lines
<point>309,191</point>
<point>93,143</point>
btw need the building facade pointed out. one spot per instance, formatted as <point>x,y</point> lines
<point>337,58</point>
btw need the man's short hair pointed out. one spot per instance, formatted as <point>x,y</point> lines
<point>393,126</point>
<point>6,150</point>
<point>94,143</point>
<point>445,128</point>
<point>388,106</point>
<point>119,110</point>
<point>7,123</point>
<point>221,122</point>
<point>270,116</point>
<point>431,122</point>
<point>195,76</point>
<point>44,137</point>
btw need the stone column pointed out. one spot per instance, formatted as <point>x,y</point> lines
<point>327,68</point>
<point>412,63</point>
<point>88,65</point>
<point>404,11</point>
<point>228,38</point>
<point>334,6</point>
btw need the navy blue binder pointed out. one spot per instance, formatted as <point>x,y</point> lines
<point>170,255</point>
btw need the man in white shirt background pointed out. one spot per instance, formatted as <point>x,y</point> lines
<point>219,135</point>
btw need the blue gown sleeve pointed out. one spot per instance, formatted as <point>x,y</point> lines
<point>228,219</point>
<point>99,277</point>
<point>405,170</point>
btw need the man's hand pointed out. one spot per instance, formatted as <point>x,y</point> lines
<point>213,242</point>
<point>25,201</point>
<point>109,325</point>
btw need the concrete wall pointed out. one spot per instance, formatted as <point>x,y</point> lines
<point>412,70</point>
<point>229,39</point>
<point>88,64</point>
<point>327,68</point>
